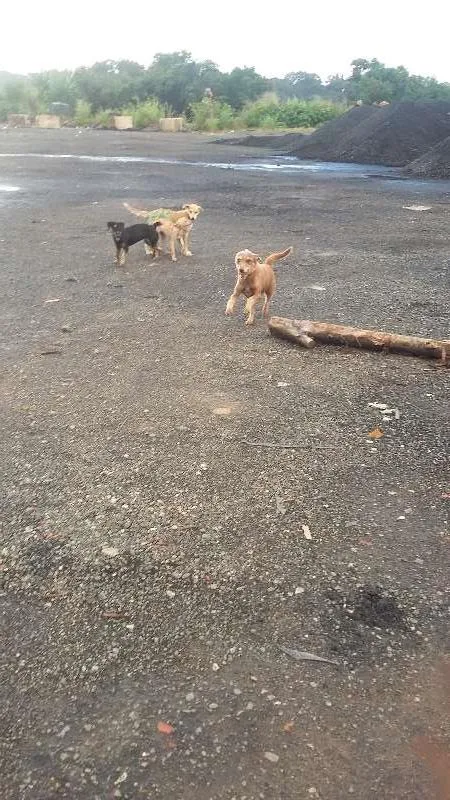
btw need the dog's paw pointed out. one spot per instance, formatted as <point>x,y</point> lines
<point>229,310</point>
<point>250,321</point>
<point>188,253</point>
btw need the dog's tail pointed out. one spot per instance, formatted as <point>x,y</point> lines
<point>138,212</point>
<point>278,256</point>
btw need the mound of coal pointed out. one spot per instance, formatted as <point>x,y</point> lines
<point>323,145</point>
<point>435,163</point>
<point>391,135</point>
<point>277,141</point>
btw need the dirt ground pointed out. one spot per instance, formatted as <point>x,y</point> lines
<point>153,554</point>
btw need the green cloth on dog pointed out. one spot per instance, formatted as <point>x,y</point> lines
<point>158,213</point>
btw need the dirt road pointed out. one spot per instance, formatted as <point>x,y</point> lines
<point>152,560</point>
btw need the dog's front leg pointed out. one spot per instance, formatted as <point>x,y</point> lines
<point>187,252</point>
<point>231,305</point>
<point>250,308</point>
<point>173,254</point>
<point>122,256</point>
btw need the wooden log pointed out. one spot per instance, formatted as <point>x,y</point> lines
<point>307,333</point>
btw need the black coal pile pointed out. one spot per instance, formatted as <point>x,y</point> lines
<point>390,135</point>
<point>435,163</point>
<point>324,144</point>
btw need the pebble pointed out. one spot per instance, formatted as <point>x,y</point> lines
<point>111,552</point>
<point>271,757</point>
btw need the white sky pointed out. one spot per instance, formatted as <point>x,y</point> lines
<point>275,38</point>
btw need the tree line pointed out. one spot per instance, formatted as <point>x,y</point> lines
<point>177,81</point>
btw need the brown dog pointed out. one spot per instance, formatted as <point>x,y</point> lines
<point>175,232</point>
<point>254,279</point>
<point>174,225</point>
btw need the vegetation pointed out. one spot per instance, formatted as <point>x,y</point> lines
<point>210,99</point>
<point>147,113</point>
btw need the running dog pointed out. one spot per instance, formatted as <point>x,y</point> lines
<point>124,238</point>
<point>255,279</point>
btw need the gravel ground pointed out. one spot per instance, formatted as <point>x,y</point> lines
<point>153,562</point>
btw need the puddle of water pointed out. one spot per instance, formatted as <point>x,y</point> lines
<point>284,164</point>
<point>287,165</point>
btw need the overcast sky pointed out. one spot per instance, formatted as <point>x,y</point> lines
<point>274,37</point>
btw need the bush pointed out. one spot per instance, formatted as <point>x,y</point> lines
<point>307,113</point>
<point>270,113</point>
<point>211,115</point>
<point>83,114</point>
<point>147,113</point>
<point>261,113</point>
<point>103,119</point>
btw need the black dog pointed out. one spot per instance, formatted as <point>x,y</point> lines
<point>126,237</point>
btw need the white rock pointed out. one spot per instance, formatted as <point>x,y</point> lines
<point>111,552</point>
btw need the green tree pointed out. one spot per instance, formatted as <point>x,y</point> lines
<point>177,80</point>
<point>335,89</point>
<point>372,82</point>
<point>111,84</point>
<point>56,87</point>
<point>242,85</point>
<point>303,85</point>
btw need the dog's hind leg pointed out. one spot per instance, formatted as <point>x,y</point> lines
<point>250,308</point>
<point>265,308</point>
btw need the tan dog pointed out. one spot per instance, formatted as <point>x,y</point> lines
<point>174,225</point>
<point>175,232</point>
<point>254,279</point>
